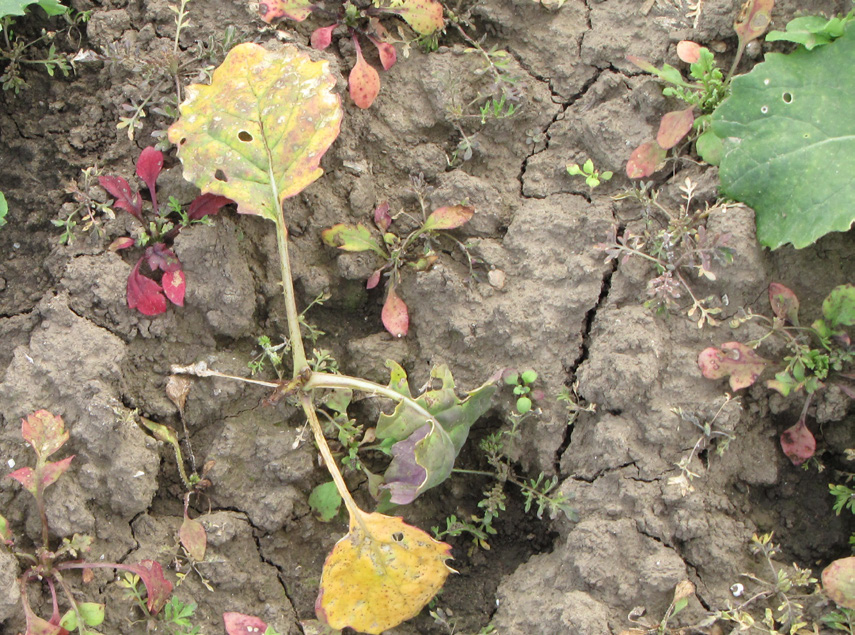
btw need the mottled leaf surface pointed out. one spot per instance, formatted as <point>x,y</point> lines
<point>734,360</point>
<point>264,122</point>
<point>272,10</point>
<point>424,16</point>
<point>838,581</point>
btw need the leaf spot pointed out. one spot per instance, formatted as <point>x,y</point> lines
<point>221,176</point>
<point>243,135</point>
<point>787,97</point>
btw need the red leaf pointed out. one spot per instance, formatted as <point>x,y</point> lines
<point>374,279</point>
<point>735,359</point>
<point>785,303</point>
<point>26,477</point>
<point>688,51</point>
<point>674,126</point>
<point>207,205</point>
<point>449,217</point>
<point>644,160</point>
<point>364,81</point>
<point>149,166</point>
<point>122,243</point>
<point>126,199</point>
<point>387,52</point>
<point>382,218</point>
<point>45,432</point>
<point>798,443</point>
<point>193,538</point>
<point>157,586</point>
<point>173,286</point>
<point>297,10</point>
<point>144,294</point>
<point>159,256</point>
<point>753,19</point>
<point>52,471</point>
<point>240,624</point>
<point>394,315</point>
<point>38,626</point>
<point>322,37</point>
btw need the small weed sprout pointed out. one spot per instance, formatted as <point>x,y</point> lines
<point>593,177</point>
<point>85,209</point>
<point>575,404</point>
<point>522,383</point>
<point>682,592</point>
<point>674,242</point>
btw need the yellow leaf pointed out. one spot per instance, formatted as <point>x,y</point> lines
<point>262,126</point>
<point>380,574</point>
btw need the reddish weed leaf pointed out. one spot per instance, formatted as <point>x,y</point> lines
<point>374,279</point>
<point>688,51</point>
<point>382,218</point>
<point>674,126</point>
<point>159,256</point>
<point>174,284</point>
<point>364,82</point>
<point>643,64</point>
<point>449,217</point>
<point>122,243</point>
<point>785,304</point>
<point>322,37</point>
<point>53,470</point>
<point>45,432</point>
<point>26,477</point>
<point>240,624</point>
<point>126,199</point>
<point>149,166</point>
<point>395,316</point>
<point>425,16</point>
<point>193,538</point>
<point>144,294</point>
<point>798,443</point>
<point>38,626</point>
<point>737,360</point>
<point>297,10</point>
<point>644,160</point>
<point>387,52</point>
<point>838,582</point>
<point>157,587</point>
<point>753,19</point>
<point>206,205</point>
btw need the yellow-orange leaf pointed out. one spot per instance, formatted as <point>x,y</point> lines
<point>374,581</point>
<point>261,126</point>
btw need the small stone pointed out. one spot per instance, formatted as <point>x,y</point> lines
<point>496,278</point>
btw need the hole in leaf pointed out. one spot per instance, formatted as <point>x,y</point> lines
<point>397,536</point>
<point>787,97</point>
<point>243,135</point>
<point>183,141</point>
<point>221,176</point>
<point>764,109</point>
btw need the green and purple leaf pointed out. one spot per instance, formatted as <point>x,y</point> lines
<point>785,304</point>
<point>45,432</point>
<point>674,127</point>
<point>273,10</point>
<point>753,20</point>
<point>352,238</point>
<point>645,160</point>
<point>735,360</point>
<point>449,217</point>
<point>839,307</point>
<point>838,582</point>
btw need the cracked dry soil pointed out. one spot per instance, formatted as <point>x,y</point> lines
<point>70,344</point>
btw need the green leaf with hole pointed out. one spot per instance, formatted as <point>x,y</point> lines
<point>789,150</point>
<point>263,124</point>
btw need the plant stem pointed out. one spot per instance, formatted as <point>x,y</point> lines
<point>327,380</point>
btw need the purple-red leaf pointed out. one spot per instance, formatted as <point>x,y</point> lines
<point>688,51</point>
<point>26,476</point>
<point>644,160</point>
<point>733,359</point>
<point>838,582</point>
<point>297,10</point>
<point>126,199</point>
<point>382,218</point>
<point>322,37</point>
<point>122,243</point>
<point>53,470</point>
<point>364,81</point>
<point>206,205</point>
<point>174,284</point>
<point>785,303</point>
<point>157,586</point>
<point>149,166</point>
<point>449,217</point>
<point>45,432</point>
<point>144,294</point>
<point>38,626</point>
<point>374,279</point>
<point>240,624</point>
<point>159,256</point>
<point>387,52</point>
<point>395,316</point>
<point>674,126</point>
<point>753,19</point>
<point>798,443</point>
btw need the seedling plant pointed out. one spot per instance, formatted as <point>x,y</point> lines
<point>593,177</point>
<point>4,209</point>
<point>144,293</point>
<point>416,249</point>
<point>819,354</point>
<point>383,571</point>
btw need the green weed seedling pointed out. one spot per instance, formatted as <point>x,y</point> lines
<point>423,433</point>
<point>522,387</point>
<point>4,209</point>
<point>820,354</point>
<point>416,249</point>
<point>593,177</point>
<point>48,565</point>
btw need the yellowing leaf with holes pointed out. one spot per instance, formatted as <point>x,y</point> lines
<point>261,126</point>
<point>380,574</point>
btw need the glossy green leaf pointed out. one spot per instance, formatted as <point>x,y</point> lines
<point>263,124</point>
<point>18,7</point>
<point>790,143</point>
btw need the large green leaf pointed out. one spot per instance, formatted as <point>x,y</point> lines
<point>18,7</point>
<point>790,143</point>
<point>267,118</point>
